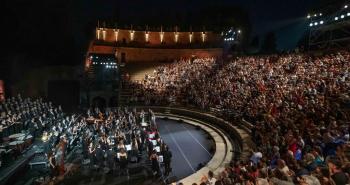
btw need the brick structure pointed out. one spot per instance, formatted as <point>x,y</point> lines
<point>147,46</point>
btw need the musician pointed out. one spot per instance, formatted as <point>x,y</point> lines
<point>110,159</point>
<point>99,156</point>
<point>121,145</point>
<point>92,153</point>
<point>155,165</point>
<point>167,155</point>
<point>52,164</point>
<point>61,150</point>
<point>123,160</point>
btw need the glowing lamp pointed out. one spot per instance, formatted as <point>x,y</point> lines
<point>203,36</point>
<point>176,37</point>
<point>104,33</point>
<point>132,35</point>
<point>116,35</point>
<point>147,36</point>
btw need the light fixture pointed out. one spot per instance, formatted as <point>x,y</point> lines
<point>336,18</point>
<point>348,14</point>
<point>321,22</point>
<point>311,24</point>
<point>320,14</point>
<point>132,35</point>
<point>161,36</point>
<point>104,33</point>
<point>342,16</point>
<point>315,15</point>
<point>239,31</point>
<point>308,16</point>
<point>316,23</point>
<point>176,37</point>
<point>346,6</point>
<point>116,35</point>
<point>98,33</point>
<point>147,36</point>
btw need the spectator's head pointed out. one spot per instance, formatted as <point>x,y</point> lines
<point>210,174</point>
<point>334,164</point>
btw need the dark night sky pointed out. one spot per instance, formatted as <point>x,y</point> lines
<point>71,22</point>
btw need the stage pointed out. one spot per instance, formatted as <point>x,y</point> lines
<point>189,146</point>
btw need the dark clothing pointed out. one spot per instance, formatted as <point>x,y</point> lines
<point>155,165</point>
<point>123,162</point>
<point>167,160</point>
<point>340,178</point>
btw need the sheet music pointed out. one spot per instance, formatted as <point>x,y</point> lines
<point>160,158</point>
<point>157,148</point>
<point>128,147</point>
<point>151,136</point>
<point>154,142</point>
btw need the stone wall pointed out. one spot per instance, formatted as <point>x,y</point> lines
<point>154,54</point>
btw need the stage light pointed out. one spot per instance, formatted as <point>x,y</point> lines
<point>176,37</point>
<point>311,24</point>
<point>320,14</point>
<point>104,33</point>
<point>315,15</point>
<point>346,6</point>
<point>342,16</point>
<point>308,16</point>
<point>348,14</point>
<point>147,36</point>
<point>239,31</point>
<point>161,36</point>
<point>98,33</point>
<point>203,36</point>
<point>316,23</point>
<point>336,18</point>
<point>321,22</point>
<point>116,35</point>
<point>132,35</point>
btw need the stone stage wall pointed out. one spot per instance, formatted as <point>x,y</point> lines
<point>131,54</point>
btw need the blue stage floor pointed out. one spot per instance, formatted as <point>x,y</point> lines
<point>189,146</point>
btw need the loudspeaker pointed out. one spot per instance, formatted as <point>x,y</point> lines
<point>65,93</point>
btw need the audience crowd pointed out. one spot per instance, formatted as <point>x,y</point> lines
<point>298,105</point>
